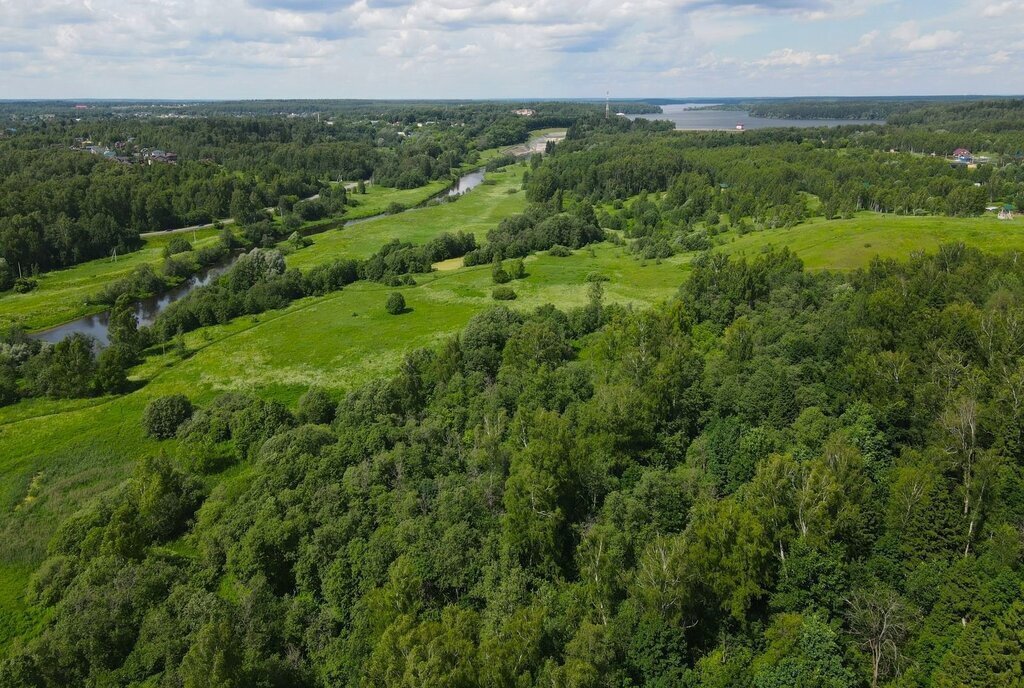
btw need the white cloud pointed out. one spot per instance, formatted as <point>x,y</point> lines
<point>787,57</point>
<point>909,38</point>
<point>1001,9</point>
<point>487,48</point>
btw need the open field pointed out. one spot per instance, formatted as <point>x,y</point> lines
<point>850,244</point>
<point>475,212</point>
<point>377,198</point>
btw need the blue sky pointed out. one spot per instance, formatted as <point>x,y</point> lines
<point>507,48</point>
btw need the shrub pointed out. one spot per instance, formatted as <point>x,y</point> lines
<point>560,251</point>
<point>394,208</point>
<point>396,303</point>
<point>316,406</point>
<point>597,277</point>
<point>177,245</point>
<point>164,415</point>
<point>177,268</point>
<point>503,294</point>
<point>516,269</point>
<point>24,285</point>
<point>141,282</point>
<point>211,254</point>
<point>298,241</point>
<point>498,273</point>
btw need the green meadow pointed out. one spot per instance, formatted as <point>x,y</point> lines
<point>377,198</point>
<point>476,212</point>
<point>850,244</point>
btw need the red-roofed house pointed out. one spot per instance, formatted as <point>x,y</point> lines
<point>963,155</point>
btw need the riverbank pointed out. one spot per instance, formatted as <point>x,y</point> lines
<point>147,309</point>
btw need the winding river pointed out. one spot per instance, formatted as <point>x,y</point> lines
<point>146,310</point>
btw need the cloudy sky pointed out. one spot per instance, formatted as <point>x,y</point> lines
<point>507,48</point>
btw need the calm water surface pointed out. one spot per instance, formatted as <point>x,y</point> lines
<point>687,118</point>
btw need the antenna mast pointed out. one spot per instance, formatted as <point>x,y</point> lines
<point>607,103</point>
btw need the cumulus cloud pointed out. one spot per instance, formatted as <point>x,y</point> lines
<point>484,48</point>
<point>909,37</point>
<point>1002,9</point>
<point>787,57</point>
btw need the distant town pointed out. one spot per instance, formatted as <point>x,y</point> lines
<point>126,152</point>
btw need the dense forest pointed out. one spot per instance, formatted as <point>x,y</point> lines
<point>778,479</point>
<point>77,188</point>
<point>762,175</point>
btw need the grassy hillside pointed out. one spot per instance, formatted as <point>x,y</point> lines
<point>849,244</point>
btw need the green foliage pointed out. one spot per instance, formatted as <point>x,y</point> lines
<point>165,415</point>
<point>176,245</point>
<point>724,491</point>
<point>316,406</point>
<point>499,274</point>
<point>503,294</point>
<point>395,304</point>
<point>778,478</point>
<point>23,285</point>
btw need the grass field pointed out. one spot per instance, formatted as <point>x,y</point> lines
<point>377,198</point>
<point>850,244</point>
<point>475,212</point>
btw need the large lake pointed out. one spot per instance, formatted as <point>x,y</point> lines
<point>686,116</point>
